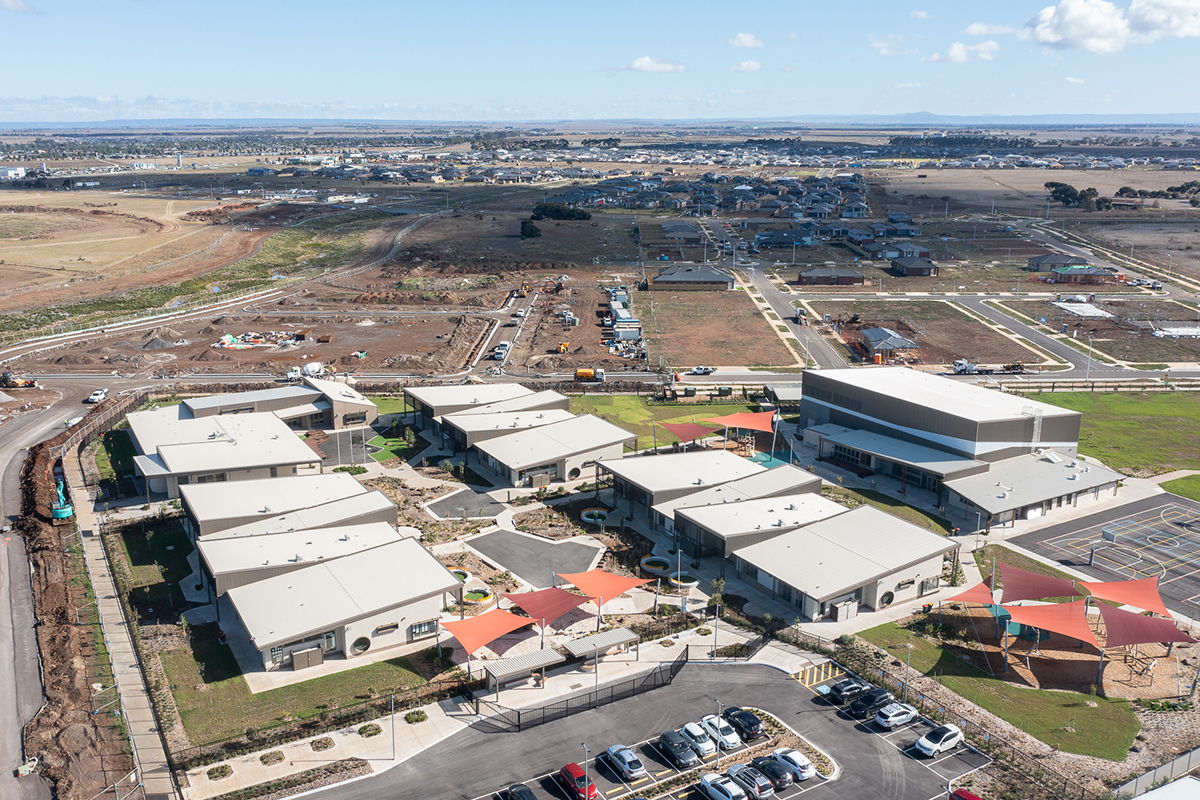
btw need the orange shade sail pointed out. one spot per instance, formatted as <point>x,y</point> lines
<point>979,593</point>
<point>476,632</point>
<point>1141,594</point>
<point>601,585</point>
<point>687,431</point>
<point>1067,619</point>
<point>1125,627</point>
<point>749,420</point>
<point>546,605</point>
<point>1020,584</point>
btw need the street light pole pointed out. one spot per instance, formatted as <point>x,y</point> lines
<point>720,708</point>
<point>1087,375</point>
<point>907,663</point>
<point>586,752</point>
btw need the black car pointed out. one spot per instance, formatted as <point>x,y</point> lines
<point>846,690</point>
<point>518,791</point>
<point>870,702</point>
<point>747,724</point>
<point>779,775</point>
<point>677,750</point>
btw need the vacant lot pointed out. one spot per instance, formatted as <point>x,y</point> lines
<point>943,332</point>
<point>711,328</point>
<point>1140,434</point>
<point>1126,337</point>
<point>497,234</point>
<point>635,415</point>
<point>1169,244</point>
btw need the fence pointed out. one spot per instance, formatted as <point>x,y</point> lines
<point>98,421</point>
<point>1168,771</point>
<point>1144,385</point>
<point>500,718</point>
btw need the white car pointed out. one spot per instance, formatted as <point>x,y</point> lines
<point>721,732</point>
<point>698,740</point>
<point>624,761</point>
<point>894,715</point>
<point>719,787</point>
<point>702,370</point>
<point>939,740</point>
<point>98,396</point>
<point>795,762</point>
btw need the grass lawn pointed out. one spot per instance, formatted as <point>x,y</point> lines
<point>1184,487</point>
<point>225,707</point>
<point>390,405</point>
<point>114,456</point>
<point>396,447</point>
<point>150,560</point>
<point>634,414</point>
<point>1151,433</point>
<point>889,504</point>
<point>1106,731</point>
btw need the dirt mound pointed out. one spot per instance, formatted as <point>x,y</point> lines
<point>209,330</point>
<point>74,358</point>
<point>210,355</point>
<point>157,344</point>
<point>222,321</point>
<point>169,334</point>
<point>103,351</point>
<point>125,344</point>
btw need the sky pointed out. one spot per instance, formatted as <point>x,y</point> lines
<point>94,60</point>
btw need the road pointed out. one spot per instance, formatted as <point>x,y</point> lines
<point>21,694</point>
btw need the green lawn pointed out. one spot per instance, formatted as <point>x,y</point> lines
<point>1152,432</point>
<point>390,405</point>
<point>634,414</point>
<point>150,561</point>
<point>1106,731</point>
<point>224,706</point>
<point>1184,487</point>
<point>889,504</point>
<point>114,456</point>
<point>395,447</point>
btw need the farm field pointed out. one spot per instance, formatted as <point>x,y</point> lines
<point>711,328</point>
<point>944,333</point>
<point>1128,336</point>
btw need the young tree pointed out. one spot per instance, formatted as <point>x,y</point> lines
<point>529,230</point>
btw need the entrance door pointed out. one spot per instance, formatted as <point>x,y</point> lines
<point>330,641</point>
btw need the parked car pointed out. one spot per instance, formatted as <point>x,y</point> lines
<point>576,783</point>
<point>895,714</point>
<point>939,740</point>
<point>98,396</point>
<point>963,794</point>
<point>518,791</point>
<point>869,703</point>
<point>626,762</point>
<point>780,776</point>
<point>677,749</point>
<point>698,740</point>
<point>795,762</point>
<point>754,782</point>
<point>847,689</point>
<point>721,732</point>
<point>702,370</point>
<point>747,724</point>
<point>719,787</point>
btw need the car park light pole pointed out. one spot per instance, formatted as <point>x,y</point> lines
<point>586,752</point>
<point>907,666</point>
<point>720,708</point>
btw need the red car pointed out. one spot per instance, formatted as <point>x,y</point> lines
<point>577,784</point>
<point>963,794</point>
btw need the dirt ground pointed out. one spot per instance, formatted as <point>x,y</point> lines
<point>1127,337</point>
<point>686,329</point>
<point>14,402</point>
<point>410,499</point>
<point>943,333</point>
<point>1169,244</point>
<point>496,234</point>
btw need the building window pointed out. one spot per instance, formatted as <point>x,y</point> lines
<point>747,569</point>
<point>847,454</point>
<point>928,585</point>
<point>276,655</point>
<point>215,477</point>
<point>350,419</point>
<point>423,628</point>
<point>274,472</point>
<point>329,640</point>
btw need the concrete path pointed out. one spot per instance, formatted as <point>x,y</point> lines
<point>149,750</point>
<point>1173,474</point>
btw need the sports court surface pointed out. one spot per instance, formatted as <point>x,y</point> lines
<point>1155,537</point>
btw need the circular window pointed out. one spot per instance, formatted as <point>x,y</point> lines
<point>573,474</point>
<point>886,599</point>
<point>361,645</point>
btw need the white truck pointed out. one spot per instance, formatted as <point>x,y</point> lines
<point>964,367</point>
<point>313,369</point>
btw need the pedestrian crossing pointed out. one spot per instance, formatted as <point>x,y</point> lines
<point>819,673</point>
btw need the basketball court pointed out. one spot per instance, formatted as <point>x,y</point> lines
<point>1158,537</point>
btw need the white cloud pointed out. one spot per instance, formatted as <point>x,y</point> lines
<point>983,29</point>
<point>20,6</point>
<point>920,14</point>
<point>959,52</point>
<point>747,66</point>
<point>888,45</point>
<point>1075,80</point>
<point>648,64</point>
<point>746,40</point>
<point>956,54</point>
<point>986,50</point>
<point>1095,25</point>
<point>913,85</point>
<point>1150,19</point>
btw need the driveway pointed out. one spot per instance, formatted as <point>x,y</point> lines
<point>533,559</point>
<point>468,501</point>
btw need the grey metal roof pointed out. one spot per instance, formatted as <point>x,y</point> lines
<point>217,443</point>
<point>602,641</point>
<point>549,443</point>
<point>303,548</point>
<point>506,420</point>
<point>320,515</point>
<point>1029,479</point>
<point>927,458</point>
<point>467,394</point>
<point>834,272</point>
<point>786,392</point>
<point>836,556</point>
<point>887,339</point>
<point>692,273</point>
<point>527,662</point>
<point>697,470</point>
<point>523,403</point>
<point>726,520</point>
<point>302,393</point>
<point>764,484</point>
<point>268,497</point>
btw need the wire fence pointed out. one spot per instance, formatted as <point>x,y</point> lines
<point>1156,777</point>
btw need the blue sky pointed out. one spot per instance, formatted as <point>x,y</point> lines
<point>87,60</point>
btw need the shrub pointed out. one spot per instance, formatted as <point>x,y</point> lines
<point>322,744</point>
<point>220,771</point>
<point>367,731</point>
<point>353,469</point>
<point>272,757</point>
<point>413,717</point>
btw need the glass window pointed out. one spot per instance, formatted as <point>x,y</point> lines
<point>276,655</point>
<point>330,640</point>
<point>423,628</point>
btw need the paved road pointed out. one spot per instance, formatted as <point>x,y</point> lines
<point>532,559</point>
<point>476,762</point>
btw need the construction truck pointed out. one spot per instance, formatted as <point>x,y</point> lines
<point>523,291</point>
<point>964,367</point>
<point>10,381</point>
<point>562,347</point>
<point>589,375</point>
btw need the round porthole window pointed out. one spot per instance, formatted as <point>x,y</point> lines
<point>573,474</point>
<point>361,645</point>
<point>886,599</point>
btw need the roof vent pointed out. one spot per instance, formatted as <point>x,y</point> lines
<point>1073,477</point>
<point>1004,494</point>
<point>266,510</point>
<point>791,507</point>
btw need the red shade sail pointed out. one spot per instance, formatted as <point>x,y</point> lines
<point>753,421</point>
<point>1020,584</point>
<point>687,431</point>
<point>476,632</point>
<point>979,593</point>
<point>1125,627</point>
<point>1141,594</point>
<point>546,605</point>
<point>1068,619</point>
<point>601,585</point>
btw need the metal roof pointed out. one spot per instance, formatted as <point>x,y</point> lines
<point>835,556</point>
<point>692,273</point>
<point>523,403</point>
<point>602,641</point>
<point>304,548</point>
<point>506,420</point>
<point>256,396</point>
<point>887,339</point>
<point>527,662</point>
<point>338,391</point>
<point>467,394</point>
<point>786,392</point>
<point>554,442</point>
<point>755,516</point>
<point>764,484</point>
<point>1031,478</point>
<point>927,458</point>
<point>696,470</point>
<point>303,410</point>
<point>217,443</point>
<point>268,497</point>
<point>321,515</point>
<point>289,607</point>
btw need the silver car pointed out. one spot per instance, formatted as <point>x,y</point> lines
<point>698,740</point>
